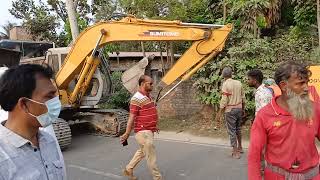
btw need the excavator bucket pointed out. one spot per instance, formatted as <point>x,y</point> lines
<point>131,76</point>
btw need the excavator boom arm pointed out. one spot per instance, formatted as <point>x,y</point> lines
<point>207,41</point>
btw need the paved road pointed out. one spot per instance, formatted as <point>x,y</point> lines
<point>101,158</point>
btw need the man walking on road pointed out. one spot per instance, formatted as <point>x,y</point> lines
<point>287,128</point>
<point>232,103</point>
<point>26,152</point>
<point>262,95</point>
<point>143,118</point>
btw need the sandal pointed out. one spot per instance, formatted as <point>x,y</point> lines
<point>236,155</point>
<point>240,150</point>
<point>129,174</point>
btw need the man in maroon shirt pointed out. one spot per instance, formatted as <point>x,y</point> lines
<point>287,128</point>
<point>143,117</point>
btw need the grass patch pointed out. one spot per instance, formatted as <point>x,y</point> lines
<point>197,126</point>
<point>178,125</point>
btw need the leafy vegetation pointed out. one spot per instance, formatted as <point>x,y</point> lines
<point>120,96</point>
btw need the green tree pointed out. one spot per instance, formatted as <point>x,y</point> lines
<point>145,8</point>
<point>39,21</point>
<point>305,12</point>
<point>184,10</point>
<point>273,13</point>
<point>81,6</point>
<point>103,9</point>
<point>251,14</point>
<point>243,52</point>
<point>22,9</point>
<point>315,56</point>
<point>67,36</point>
<point>59,8</point>
<point>43,20</point>
<point>120,96</point>
<point>191,11</point>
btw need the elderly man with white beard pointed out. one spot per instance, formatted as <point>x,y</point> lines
<point>287,128</point>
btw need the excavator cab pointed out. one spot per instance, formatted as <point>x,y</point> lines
<point>100,86</point>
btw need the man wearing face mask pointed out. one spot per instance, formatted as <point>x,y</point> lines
<point>287,127</point>
<point>27,93</point>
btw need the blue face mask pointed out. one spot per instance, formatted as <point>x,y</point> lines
<point>53,106</point>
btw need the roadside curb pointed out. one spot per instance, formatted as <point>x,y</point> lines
<point>192,139</point>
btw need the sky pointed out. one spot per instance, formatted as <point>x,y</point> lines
<point>4,12</point>
<point>5,15</point>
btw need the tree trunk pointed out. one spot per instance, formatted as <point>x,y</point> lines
<point>255,28</point>
<point>224,11</point>
<point>142,48</point>
<point>171,54</point>
<point>255,31</point>
<point>318,19</point>
<point>72,19</point>
<point>118,59</point>
<point>168,57</point>
<point>162,62</point>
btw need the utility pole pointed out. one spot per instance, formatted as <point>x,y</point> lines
<point>142,47</point>
<point>224,11</point>
<point>72,19</point>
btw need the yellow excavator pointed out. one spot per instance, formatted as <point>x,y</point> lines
<point>82,70</point>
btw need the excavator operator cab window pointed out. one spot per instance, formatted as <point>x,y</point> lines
<point>63,57</point>
<point>93,88</point>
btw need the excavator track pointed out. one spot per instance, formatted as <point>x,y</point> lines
<point>63,133</point>
<point>107,122</point>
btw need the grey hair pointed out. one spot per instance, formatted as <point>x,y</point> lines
<point>285,70</point>
<point>227,72</point>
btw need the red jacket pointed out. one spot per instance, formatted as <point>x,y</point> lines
<point>286,142</point>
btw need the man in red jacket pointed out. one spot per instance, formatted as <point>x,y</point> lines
<point>287,128</point>
<point>143,119</point>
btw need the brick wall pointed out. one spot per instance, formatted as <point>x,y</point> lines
<point>181,102</point>
<point>19,33</point>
